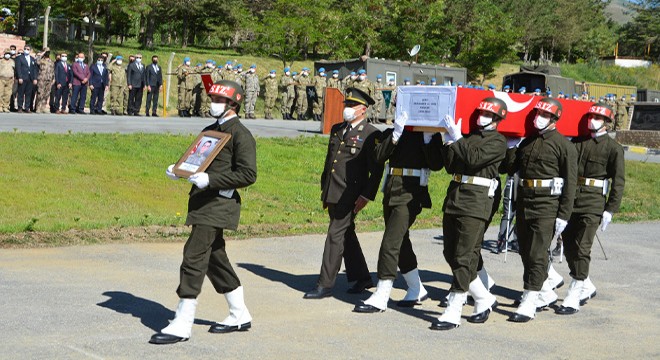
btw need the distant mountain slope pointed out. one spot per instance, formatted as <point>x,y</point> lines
<point>619,12</point>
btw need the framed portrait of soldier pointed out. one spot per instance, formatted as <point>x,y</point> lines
<point>201,153</point>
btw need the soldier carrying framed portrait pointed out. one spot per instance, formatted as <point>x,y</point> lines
<point>200,153</point>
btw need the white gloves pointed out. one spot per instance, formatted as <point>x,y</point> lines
<point>453,129</point>
<point>170,174</point>
<point>560,225</point>
<point>513,142</point>
<point>427,137</point>
<point>201,180</point>
<point>607,219</point>
<point>399,124</point>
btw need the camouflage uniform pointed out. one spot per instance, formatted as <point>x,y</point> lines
<point>251,93</point>
<point>205,106</point>
<point>347,82</point>
<point>6,82</point>
<point>319,87</point>
<point>622,118</point>
<point>44,83</point>
<point>287,94</point>
<point>270,89</point>
<point>117,88</point>
<point>378,97</point>
<point>368,87</point>
<point>186,83</point>
<point>301,96</point>
<point>335,84</point>
<point>392,108</point>
<point>197,90</point>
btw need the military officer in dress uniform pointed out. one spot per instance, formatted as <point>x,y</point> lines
<point>411,156</point>
<point>215,205</point>
<point>600,168</point>
<point>349,181</point>
<point>547,166</point>
<point>474,162</point>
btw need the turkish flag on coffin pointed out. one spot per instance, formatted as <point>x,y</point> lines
<point>520,117</point>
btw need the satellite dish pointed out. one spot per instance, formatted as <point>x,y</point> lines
<point>414,50</point>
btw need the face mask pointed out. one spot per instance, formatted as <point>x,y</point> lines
<point>13,52</point>
<point>541,122</point>
<point>218,109</point>
<point>304,74</point>
<point>362,77</point>
<point>353,77</point>
<point>26,52</point>
<point>100,62</point>
<point>349,114</point>
<point>271,75</point>
<point>81,60</point>
<point>63,58</point>
<point>209,66</point>
<point>322,74</point>
<point>335,76</point>
<point>7,56</point>
<point>406,83</point>
<point>379,80</point>
<point>118,61</point>
<point>484,121</point>
<point>595,125</point>
<point>187,63</point>
<point>138,60</point>
<point>288,73</point>
<point>240,70</point>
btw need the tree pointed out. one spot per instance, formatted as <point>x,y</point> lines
<point>643,33</point>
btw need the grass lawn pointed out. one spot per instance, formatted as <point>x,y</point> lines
<point>53,183</point>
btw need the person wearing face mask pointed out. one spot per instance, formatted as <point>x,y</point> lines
<point>214,205</point>
<point>506,88</point>
<point>379,86</point>
<point>45,81</point>
<point>349,181</point>
<point>270,94</point>
<point>99,83</point>
<point>27,73</point>
<point>117,77</point>
<point>287,94</point>
<point>392,108</point>
<point>601,180</point>
<point>302,82</point>
<point>7,67</point>
<point>348,81</point>
<point>251,81</point>
<point>186,84</point>
<point>80,82</point>
<point>154,82</point>
<point>547,166</point>
<point>14,90</point>
<point>205,100</point>
<point>319,82</point>
<point>473,161</point>
<point>411,156</point>
<point>334,81</point>
<point>136,79</point>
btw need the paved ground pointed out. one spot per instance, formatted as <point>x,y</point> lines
<point>105,301</point>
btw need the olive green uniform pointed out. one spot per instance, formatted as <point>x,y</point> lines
<point>350,171</point>
<point>468,207</point>
<point>210,213</point>
<point>45,82</point>
<point>6,83</point>
<point>117,88</point>
<point>319,87</point>
<point>287,94</point>
<point>186,83</point>
<point>404,197</point>
<point>541,157</point>
<point>270,96</point>
<point>301,95</point>
<point>335,83</point>
<point>598,158</point>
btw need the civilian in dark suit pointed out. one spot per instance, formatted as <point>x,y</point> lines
<point>63,78</point>
<point>154,80</point>
<point>80,82</point>
<point>135,75</point>
<point>26,73</point>
<point>98,83</point>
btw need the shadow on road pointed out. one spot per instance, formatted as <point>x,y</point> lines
<point>151,314</point>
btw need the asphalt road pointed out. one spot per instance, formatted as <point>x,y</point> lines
<point>62,124</point>
<point>105,301</point>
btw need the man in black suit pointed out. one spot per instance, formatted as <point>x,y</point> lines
<point>98,83</point>
<point>27,73</point>
<point>154,81</point>
<point>63,83</point>
<point>136,81</point>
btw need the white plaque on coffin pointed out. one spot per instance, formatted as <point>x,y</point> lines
<point>426,106</point>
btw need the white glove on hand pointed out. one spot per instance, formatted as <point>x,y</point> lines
<point>170,174</point>
<point>513,142</point>
<point>201,180</point>
<point>560,225</point>
<point>607,219</point>
<point>427,137</point>
<point>399,124</point>
<point>453,129</point>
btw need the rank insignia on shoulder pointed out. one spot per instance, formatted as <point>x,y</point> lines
<point>353,151</point>
<point>360,127</point>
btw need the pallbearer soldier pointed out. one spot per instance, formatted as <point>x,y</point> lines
<point>270,96</point>
<point>215,205</point>
<point>546,164</point>
<point>287,94</point>
<point>474,163</point>
<point>600,167</point>
<point>411,156</point>
<point>349,181</point>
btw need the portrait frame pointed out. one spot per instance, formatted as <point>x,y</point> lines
<point>200,154</point>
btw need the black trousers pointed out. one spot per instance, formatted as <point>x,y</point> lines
<point>462,238</point>
<point>62,94</point>
<point>578,239</point>
<point>152,101</point>
<point>204,255</point>
<point>134,100</point>
<point>25,94</point>
<point>342,242</point>
<point>96,101</point>
<point>396,248</point>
